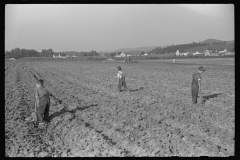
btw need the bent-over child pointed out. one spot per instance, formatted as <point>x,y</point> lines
<point>42,96</point>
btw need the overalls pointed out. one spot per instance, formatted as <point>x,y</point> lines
<point>195,88</point>
<point>122,83</point>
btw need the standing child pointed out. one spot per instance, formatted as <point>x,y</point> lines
<point>43,101</point>
<point>121,80</point>
<point>196,84</point>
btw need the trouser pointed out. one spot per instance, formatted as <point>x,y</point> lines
<point>122,83</point>
<point>194,94</point>
<point>43,108</point>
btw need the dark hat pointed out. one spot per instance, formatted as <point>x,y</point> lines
<point>40,81</point>
<point>201,68</point>
<point>119,68</point>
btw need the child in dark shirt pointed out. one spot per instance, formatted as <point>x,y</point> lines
<point>196,85</point>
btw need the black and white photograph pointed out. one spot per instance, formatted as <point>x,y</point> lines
<point>119,80</point>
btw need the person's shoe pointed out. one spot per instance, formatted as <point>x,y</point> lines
<point>28,118</point>
<point>32,120</point>
<point>41,124</point>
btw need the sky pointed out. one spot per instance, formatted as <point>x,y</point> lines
<point>102,27</point>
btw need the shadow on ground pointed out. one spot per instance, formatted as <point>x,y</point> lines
<point>134,90</point>
<point>205,98</point>
<point>73,111</point>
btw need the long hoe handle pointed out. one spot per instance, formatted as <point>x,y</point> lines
<point>35,105</point>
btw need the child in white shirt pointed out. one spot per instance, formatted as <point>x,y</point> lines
<point>121,80</point>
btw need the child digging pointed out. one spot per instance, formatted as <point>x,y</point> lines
<point>121,80</point>
<point>42,101</point>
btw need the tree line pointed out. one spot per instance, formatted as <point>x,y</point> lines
<point>71,53</point>
<point>174,48</point>
<point>20,53</point>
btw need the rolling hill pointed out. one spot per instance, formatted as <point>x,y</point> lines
<point>136,50</point>
<point>228,46</point>
<point>158,49</point>
<point>211,41</point>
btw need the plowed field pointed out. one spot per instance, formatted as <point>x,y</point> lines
<point>89,117</point>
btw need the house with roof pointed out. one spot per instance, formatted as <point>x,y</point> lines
<point>12,59</point>
<point>197,53</point>
<point>207,53</point>
<point>56,55</point>
<point>223,51</point>
<point>123,54</point>
<point>145,54</point>
<point>177,53</point>
<point>184,54</point>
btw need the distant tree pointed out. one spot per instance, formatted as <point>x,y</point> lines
<point>50,52</point>
<point>12,53</point>
<point>142,53</point>
<point>22,52</point>
<point>17,53</point>
<point>7,55</point>
<point>44,53</point>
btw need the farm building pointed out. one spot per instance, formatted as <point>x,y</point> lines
<point>59,56</point>
<point>129,55</point>
<point>56,56</point>
<point>121,55</point>
<point>197,53</point>
<point>184,54</point>
<point>181,53</point>
<point>12,59</point>
<point>74,56</point>
<point>207,53</point>
<point>177,53</point>
<point>223,51</point>
<point>145,54</point>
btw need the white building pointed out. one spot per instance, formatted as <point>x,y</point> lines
<point>145,54</point>
<point>184,54</point>
<point>224,51</point>
<point>12,59</point>
<point>57,56</point>
<point>177,53</point>
<point>207,53</point>
<point>121,55</point>
<point>197,53</point>
<point>74,56</point>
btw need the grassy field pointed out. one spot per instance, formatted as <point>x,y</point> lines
<point>90,118</point>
